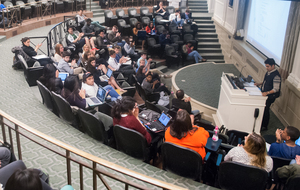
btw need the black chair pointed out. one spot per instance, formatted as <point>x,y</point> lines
<point>110,18</point>
<point>32,74</point>
<point>153,48</point>
<point>58,6</point>
<point>145,21</point>
<point>176,40</point>
<point>170,9</point>
<point>132,143</point>
<point>34,8</point>
<point>292,182</point>
<point>160,29</point>
<point>186,29</point>
<point>124,28</point>
<point>221,136</point>
<point>152,107</point>
<point>132,22</point>
<point>237,176</point>
<point>68,5</point>
<point>171,56</point>
<point>65,112</point>
<point>173,30</point>
<point>47,98</point>
<point>144,11</point>
<point>236,137</point>
<point>182,161</point>
<point>277,163</point>
<point>121,15</point>
<point>92,126</point>
<point>132,13</point>
<point>153,97</point>
<point>190,38</point>
<point>158,21</point>
<point>25,10</point>
<point>226,147</point>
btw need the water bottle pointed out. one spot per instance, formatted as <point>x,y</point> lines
<point>154,22</point>
<point>215,136</point>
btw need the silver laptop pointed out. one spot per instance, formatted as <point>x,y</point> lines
<point>107,75</point>
<point>99,99</point>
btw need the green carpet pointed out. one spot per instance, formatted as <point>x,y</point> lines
<point>203,81</point>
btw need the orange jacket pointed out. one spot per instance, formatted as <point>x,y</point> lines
<point>195,141</point>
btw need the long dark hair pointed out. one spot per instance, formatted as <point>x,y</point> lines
<point>125,105</point>
<point>27,179</point>
<point>89,67</point>
<point>182,125</point>
<point>140,71</point>
<point>23,40</point>
<point>71,87</point>
<point>137,24</point>
<point>48,77</point>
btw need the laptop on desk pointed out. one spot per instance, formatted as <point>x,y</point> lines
<point>158,125</point>
<point>107,75</point>
<point>99,99</point>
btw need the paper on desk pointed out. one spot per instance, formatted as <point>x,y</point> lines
<point>249,84</point>
<point>40,57</point>
<point>127,62</point>
<point>253,91</point>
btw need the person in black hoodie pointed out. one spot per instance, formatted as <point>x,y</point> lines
<point>29,50</point>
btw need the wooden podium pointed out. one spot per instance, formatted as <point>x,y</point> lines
<point>236,107</point>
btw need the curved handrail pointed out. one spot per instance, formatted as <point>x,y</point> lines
<point>69,149</point>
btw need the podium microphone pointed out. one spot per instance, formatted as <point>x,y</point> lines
<point>256,113</point>
<point>242,70</point>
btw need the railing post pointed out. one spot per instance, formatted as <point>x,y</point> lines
<point>94,176</point>
<point>18,141</point>
<point>68,167</point>
<point>81,176</point>
<point>2,125</point>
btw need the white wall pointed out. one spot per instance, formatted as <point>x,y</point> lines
<point>226,16</point>
<point>211,6</point>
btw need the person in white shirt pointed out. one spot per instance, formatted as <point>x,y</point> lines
<point>176,18</point>
<point>112,62</point>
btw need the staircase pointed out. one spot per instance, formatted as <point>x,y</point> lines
<point>95,8</point>
<point>208,42</point>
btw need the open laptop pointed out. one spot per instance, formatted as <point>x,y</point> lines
<point>160,124</point>
<point>107,75</point>
<point>63,76</point>
<point>99,99</point>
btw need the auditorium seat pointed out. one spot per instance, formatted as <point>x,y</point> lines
<point>153,97</point>
<point>160,29</point>
<point>190,38</point>
<point>153,48</point>
<point>183,9</point>
<point>34,8</point>
<point>32,74</point>
<point>124,28</point>
<point>170,9</point>
<point>236,176</point>
<point>25,10</point>
<point>68,5</point>
<point>110,18</point>
<point>236,137</point>
<point>8,4</point>
<point>132,13</point>
<point>57,6</point>
<point>65,111</point>
<point>144,11</point>
<point>186,29</point>
<point>173,30</point>
<point>132,143</point>
<point>277,163</point>
<point>93,126</point>
<point>121,15</point>
<point>132,22</point>
<point>47,98</point>
<point>182,161</point>
<point>80,4</point>
<point>145,21</point>
<point>171,56</point>
<point>158,21</point>
<point>176,39</point>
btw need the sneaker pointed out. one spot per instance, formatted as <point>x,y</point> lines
<point>95,49</point>
<point>203,60</point>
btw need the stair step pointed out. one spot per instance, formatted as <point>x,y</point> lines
<point>206,35</point>
<point>209,50</point>
<point>212,30</point>
<point>208,40</point>
<point>209,45</point>
<point>216,60</point>
<point>198,7</point>
<point>203,21</point>
<point>205,25</point>
<point>98,14</point>
<point>191,5</point>
<point>195,17</point>
<point>97,11</point>
<point>212,55</point>
<point>93,3</point>
<point>199,11</point>
<point>162,68</point>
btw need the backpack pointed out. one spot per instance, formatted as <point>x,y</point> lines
<point>8,146</point>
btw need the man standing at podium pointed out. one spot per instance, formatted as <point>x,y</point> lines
<point>271,88</point>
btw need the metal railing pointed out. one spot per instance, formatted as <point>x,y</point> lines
<point>70,153</point>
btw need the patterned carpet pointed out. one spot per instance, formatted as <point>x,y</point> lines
<point>22,102</point>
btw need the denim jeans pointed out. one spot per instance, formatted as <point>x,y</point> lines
<point>113,94</point>
<point>179,22</point>
<point>196,55</point>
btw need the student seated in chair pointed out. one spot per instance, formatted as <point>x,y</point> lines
<point>285,146</point>
<point>63,65</point>
<point>176,18</point>
<point>116,66</point>
<point>151,86</point>
<point>183,133</point>
<point>181,103</point>
<point>78,41</point>
<point>115,37</point>
<point>5,155</point>
<point>138,27</point>
<point>50,79</point>
<point>252,153</point>
<point>89,30</point>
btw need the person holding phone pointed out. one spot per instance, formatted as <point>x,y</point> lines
<point>192,54</point>
<point>63,65</point>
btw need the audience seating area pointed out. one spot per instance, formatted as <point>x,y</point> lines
<point>176,159</point>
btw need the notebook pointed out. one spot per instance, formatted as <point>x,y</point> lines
<point>107,75</point>
<point>63,76</point>
<point>99,99</point>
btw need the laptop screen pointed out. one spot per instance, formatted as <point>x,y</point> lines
<point>101,94</point>
<point>164,119</point>
<point>109,72</point>
<point>63,76</point>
